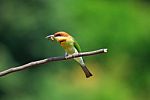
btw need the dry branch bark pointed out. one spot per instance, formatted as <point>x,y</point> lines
<point>34,63</point>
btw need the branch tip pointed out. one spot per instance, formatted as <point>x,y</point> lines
<point>105,50</point>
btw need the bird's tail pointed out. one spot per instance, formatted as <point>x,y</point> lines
<point>86,71</point>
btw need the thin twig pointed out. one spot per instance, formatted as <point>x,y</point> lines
<point>34,63</point>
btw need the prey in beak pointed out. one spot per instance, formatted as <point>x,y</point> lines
<point>50,37</point>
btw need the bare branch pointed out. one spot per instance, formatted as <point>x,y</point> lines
<point>34,63</point>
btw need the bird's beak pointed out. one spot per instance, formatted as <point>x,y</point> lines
<point>50,37</point>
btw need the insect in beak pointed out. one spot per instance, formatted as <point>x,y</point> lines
<point>50,37</point>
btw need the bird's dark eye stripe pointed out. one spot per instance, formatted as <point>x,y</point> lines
<point>57,35</point>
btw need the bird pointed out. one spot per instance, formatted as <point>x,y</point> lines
<point>71,46</point>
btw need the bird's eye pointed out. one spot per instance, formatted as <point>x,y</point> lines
<point>57,35</point>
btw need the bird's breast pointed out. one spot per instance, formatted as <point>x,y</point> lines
<point>68,45</point>
<point>68,48</point>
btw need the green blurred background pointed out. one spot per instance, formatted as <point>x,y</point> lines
<point>121,26</point>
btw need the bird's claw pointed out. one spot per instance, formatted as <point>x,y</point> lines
<point>66,57</point>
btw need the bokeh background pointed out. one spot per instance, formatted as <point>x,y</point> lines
<point>121,26</point>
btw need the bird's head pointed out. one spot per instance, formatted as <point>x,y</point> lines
<point>59,36</point>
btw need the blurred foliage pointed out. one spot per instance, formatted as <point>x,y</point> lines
<point>121,26</point>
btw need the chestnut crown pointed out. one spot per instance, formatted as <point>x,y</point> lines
<point>63,34</point>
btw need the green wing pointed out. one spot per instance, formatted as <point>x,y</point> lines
<point>76,45</point>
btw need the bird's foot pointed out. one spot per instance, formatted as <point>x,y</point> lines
<point>70,56</point>
<point>66,57</point>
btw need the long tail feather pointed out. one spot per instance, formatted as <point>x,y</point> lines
<point>86,71</point>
